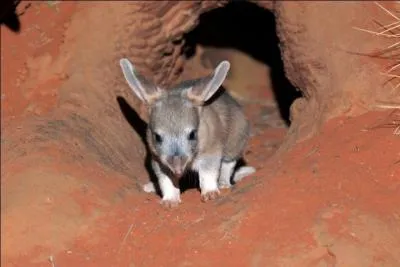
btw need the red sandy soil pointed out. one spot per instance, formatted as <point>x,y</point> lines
<point>333,200</point>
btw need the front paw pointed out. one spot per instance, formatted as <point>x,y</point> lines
<point>171,202</point>
<point>210,195</point>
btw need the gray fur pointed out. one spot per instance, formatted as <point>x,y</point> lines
<point>220,127</point>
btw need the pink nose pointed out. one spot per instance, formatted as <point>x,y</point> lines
<point>176,164</point>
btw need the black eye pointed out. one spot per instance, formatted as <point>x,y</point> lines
<point>192,135</point>
<point>157,137</point>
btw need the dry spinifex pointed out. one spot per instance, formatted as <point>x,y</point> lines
<point>392,53</point>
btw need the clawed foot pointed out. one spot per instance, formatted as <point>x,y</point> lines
<point>211,195</point>
<point>172,199</point>
<point>170,203</point>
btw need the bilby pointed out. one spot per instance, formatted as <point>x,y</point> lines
<point>195,125</point>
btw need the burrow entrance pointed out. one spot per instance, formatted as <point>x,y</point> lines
<point>245,34</point>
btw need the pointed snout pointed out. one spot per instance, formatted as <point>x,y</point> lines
<point>177,164</point>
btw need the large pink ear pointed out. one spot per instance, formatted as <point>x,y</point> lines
<point>144,89</point>
<point>206,87</point>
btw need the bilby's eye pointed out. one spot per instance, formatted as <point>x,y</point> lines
<point>158,138</point>
<point>192,135</point>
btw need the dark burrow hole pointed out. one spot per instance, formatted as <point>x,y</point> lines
<point>240,26</point>
<point>251,29</point>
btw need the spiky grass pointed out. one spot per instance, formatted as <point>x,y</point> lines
<point>390,31</point>
<point>396,122</point>
<point>393,122</point>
